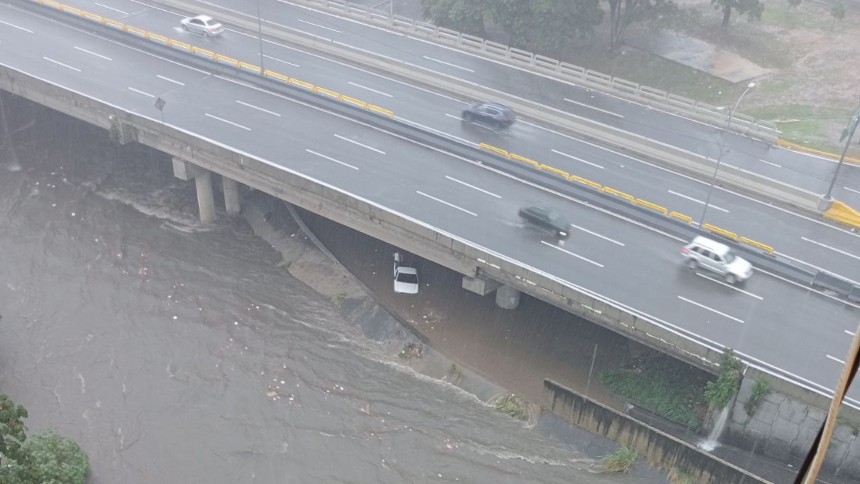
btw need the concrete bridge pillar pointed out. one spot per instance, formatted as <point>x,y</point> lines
<point>507,297</point>
<point>231,195</point>
<point>203,181</point>
<point>205,198</point>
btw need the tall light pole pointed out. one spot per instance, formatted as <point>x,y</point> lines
<point>847,134</point>
<point>260,35</point>
<point>722,153</point>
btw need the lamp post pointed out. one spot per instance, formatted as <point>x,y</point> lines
<point>723,152</point>
<point>847,134</point>
<point>260,35</point>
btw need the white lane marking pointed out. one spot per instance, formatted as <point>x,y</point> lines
<point>730,286</point>
<point>834,249</point>
<point>571,253</point>
<point>258,108</point>
<point>318,25</point>
<point>715,207</point>
<point>111,8</point>
<point>851,190</point>
<point>61,64</point>
<point>594,108</point>
<point>370,89</point>
<point>448,64</point>
<point>598,235</point>
<point>371,148</point>
<point>93,53</point>
<point>16,26</point>
<point>711,309</point>
<point>141,92</point>
<point>281,60</point>
<point>165,78</point>
<point>446,203</point>
<point>329,158</point>
<point>227,121</point>
<point>835,359</point>
<point>577,159</point>
<point>770,163</point>
<point>472,186</point>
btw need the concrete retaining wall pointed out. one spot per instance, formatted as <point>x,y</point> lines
<point>786,421</point>
<point>658,448</point>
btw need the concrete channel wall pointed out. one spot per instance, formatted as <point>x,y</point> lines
<point>657,447</point>
<point>782,424</point>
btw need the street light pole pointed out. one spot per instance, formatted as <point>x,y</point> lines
<point>260,35</point>
<point>732,112</point>
<point>847,134</point>
<point>722,153</point>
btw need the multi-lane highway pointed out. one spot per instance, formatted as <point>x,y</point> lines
<point>809,241</point>
<point>788,329</point>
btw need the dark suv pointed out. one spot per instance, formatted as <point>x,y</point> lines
<point>493,114</point>
<point>547,219</point>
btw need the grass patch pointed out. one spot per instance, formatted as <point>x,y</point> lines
<point>664,386</point>
<point>338,300</point>
<point>513,406</point>
<point>622,460</point>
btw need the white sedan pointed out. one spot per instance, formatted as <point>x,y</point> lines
<point>203,25</point>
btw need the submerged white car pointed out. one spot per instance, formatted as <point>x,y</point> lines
<point>405,278</point>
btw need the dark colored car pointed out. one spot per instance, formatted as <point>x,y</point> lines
<point>547,219</point>
<point>493,114</point>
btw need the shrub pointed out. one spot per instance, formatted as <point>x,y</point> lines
<point>513,406</point>
<point>622,460</point>
<point>721,391</point>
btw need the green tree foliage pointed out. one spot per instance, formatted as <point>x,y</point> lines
<point>49,458</point>
<point>12,428</point>
<point>623,13</point>
<point>540,25</point>
<point>545,25</point>
<point>721,391</point>
<point>751,8</point>
<point>465,16</point>
<point>44,458</point>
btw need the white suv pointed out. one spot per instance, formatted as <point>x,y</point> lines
<point>718,258</point>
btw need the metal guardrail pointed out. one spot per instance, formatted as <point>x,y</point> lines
<point>563,71</point>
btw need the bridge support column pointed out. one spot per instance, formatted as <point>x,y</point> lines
<point>507,297</point>
<point>231,195</point>
<point>203,181</point>
<point>205,198</point>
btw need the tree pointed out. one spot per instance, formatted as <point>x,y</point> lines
<point>45,458</point>
<point>622,13</point>
<point>12,428</point>
<point>545,25</point>
<point>751,8</point>
<point>50,458</point>
<point>465,16</point>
